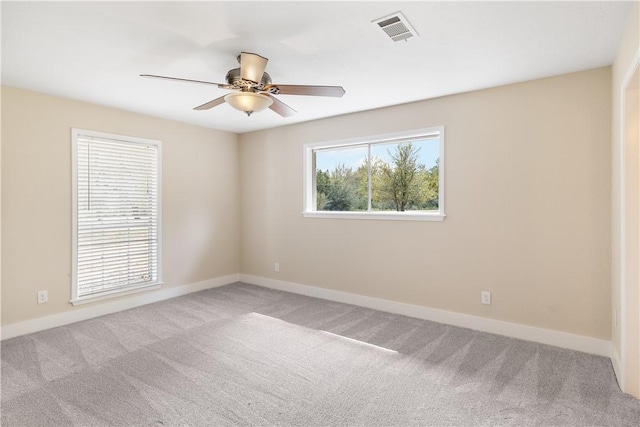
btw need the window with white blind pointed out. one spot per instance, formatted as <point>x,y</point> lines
<point>116,215</point>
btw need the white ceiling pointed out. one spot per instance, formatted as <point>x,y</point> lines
<point>95,51</point>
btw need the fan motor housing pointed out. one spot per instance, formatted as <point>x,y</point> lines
<point>235,79</point>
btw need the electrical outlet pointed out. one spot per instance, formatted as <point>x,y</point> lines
<point>485,297</point>
<point>276,267</point>
<point>43,297</point>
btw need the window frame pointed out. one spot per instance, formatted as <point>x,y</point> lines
<point>308,209</point>
<point>75,135</point>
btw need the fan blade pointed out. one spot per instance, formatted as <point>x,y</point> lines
<point>210,104</point>
<point>220,85</point>
<point>280,107</point>
<point>336,91</point>
<point>252,66</point>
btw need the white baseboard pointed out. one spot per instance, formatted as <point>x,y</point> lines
<point>89,312</point>
<point>617,366</point>
<point>514,330</point>
<point>530,333</point>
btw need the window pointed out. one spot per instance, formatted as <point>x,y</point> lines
<point>395,176</point>
<point>116,215</point>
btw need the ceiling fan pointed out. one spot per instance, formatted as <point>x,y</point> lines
<point>254,90</point>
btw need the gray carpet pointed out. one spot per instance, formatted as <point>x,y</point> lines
<point>245,355</point>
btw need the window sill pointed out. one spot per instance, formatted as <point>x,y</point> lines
<point>115,294</point>
<point>388,216</point>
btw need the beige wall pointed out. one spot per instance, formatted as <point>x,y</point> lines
<point>631,300</point>
<point>199,197</point>
<point>528,170</point>
<point>625,241</point>
<point>0,204</point>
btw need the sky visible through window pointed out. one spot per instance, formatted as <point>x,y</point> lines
<point>353,157</point>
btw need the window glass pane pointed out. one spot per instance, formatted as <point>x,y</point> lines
<point>404,176</point>
<point>341,179</point>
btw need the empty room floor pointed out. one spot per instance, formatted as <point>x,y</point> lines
<point>246,355</point>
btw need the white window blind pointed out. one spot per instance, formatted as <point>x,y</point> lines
<point>117,214</point>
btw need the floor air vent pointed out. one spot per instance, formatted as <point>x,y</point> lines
<point>396,26</point>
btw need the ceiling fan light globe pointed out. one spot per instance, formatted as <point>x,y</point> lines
<point>248,102</point>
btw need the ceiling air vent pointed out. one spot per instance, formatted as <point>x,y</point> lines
<point>396,26</point>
